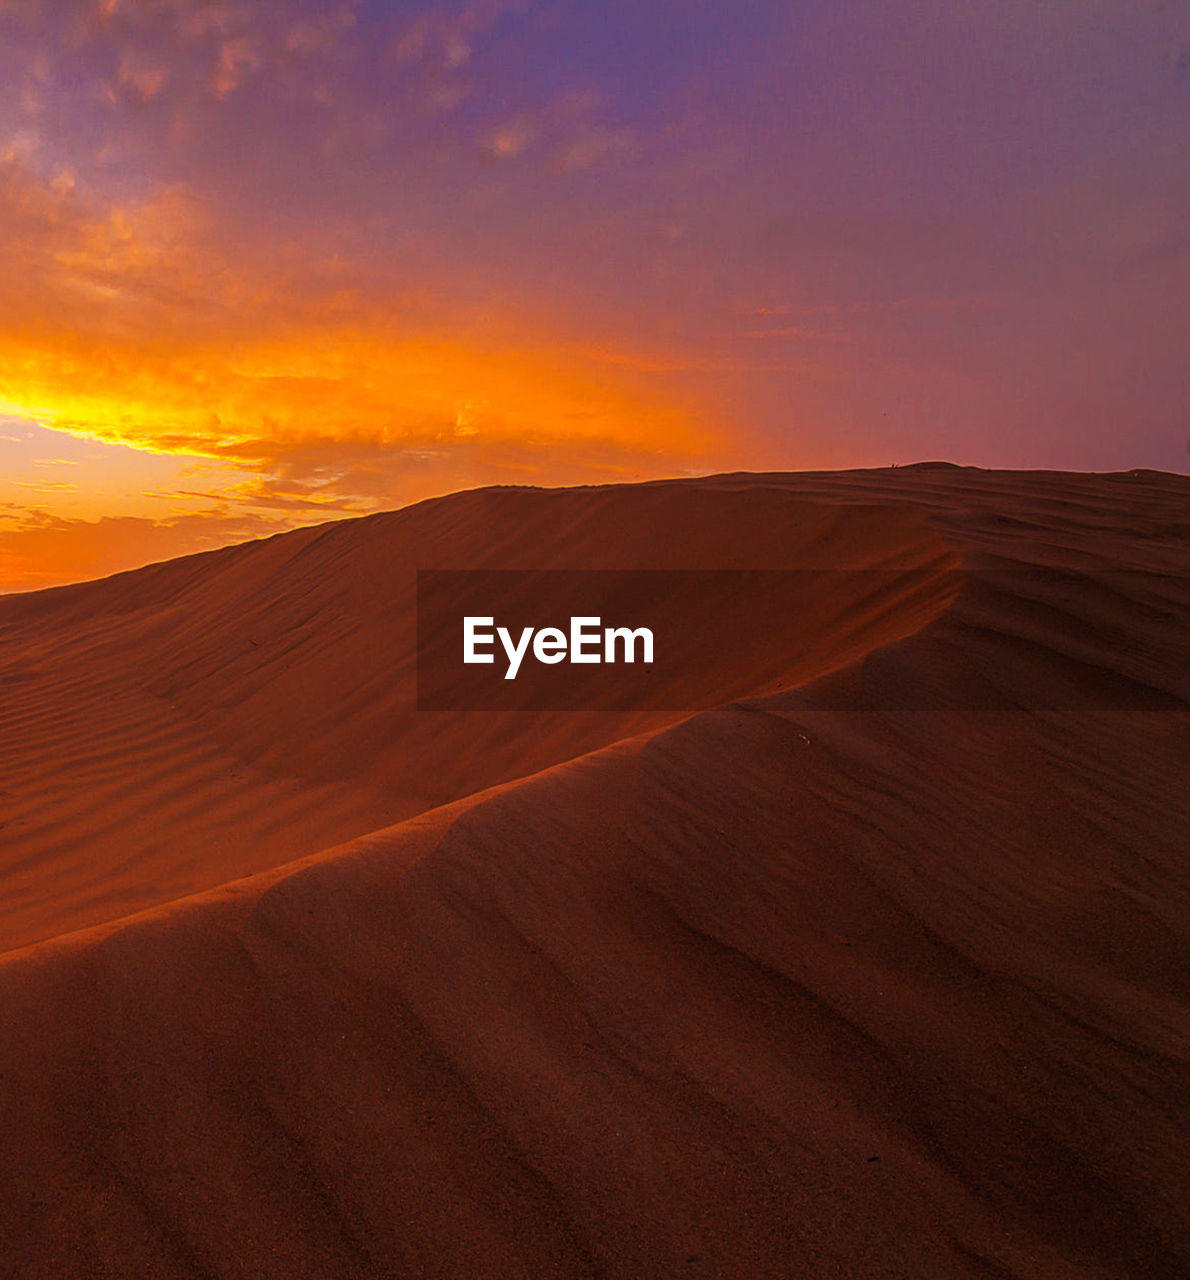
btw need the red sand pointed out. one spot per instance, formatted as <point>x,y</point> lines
<point>884,975</point>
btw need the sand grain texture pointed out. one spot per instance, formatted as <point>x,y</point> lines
<point>880,974</point>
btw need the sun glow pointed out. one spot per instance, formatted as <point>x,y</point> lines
<point>254,400</point>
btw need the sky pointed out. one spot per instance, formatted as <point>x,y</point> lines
<point>272,262</point>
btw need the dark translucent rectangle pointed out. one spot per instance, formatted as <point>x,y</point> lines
<point>721,635</point>
<point>715,634</point>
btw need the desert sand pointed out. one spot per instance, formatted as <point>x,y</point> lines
<point>878,967</point>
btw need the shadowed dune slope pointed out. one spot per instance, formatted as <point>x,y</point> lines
<point>167,730</point>
<point>880,976</point>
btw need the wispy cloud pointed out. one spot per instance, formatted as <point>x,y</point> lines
<point>446,36</point>
<point>40,549</point>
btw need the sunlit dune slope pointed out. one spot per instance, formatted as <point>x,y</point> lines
<point>169,729</point>
<point>881,976</point>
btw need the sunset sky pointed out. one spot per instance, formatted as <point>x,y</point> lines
<point>268,262</point>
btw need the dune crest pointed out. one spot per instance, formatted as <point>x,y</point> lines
<point>169,729</point>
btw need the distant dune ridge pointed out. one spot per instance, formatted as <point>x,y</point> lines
<point>879,968</point>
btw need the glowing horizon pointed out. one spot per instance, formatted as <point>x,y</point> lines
<point>272,263</point>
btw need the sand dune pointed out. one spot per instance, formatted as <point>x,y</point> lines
<point>881,974</point>
<point>167,730</point>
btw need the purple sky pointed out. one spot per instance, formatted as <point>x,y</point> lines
<point>270,262</point>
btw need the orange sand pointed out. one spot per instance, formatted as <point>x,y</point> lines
<point>880,975</point>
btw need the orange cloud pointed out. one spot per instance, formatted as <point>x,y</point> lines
<point>294,395</point>
<point>253,399</point>
<point>128,326</point>
<point>45,550</point>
